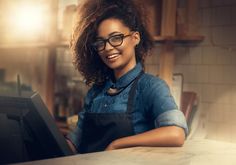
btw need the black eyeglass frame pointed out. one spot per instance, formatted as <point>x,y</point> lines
<point>123,36</point>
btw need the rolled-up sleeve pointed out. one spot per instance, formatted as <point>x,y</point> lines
<point>172,118</point>
<point>161,105</point>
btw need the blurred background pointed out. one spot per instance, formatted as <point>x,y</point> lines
<point>34,38</point>
<point>34,45</point>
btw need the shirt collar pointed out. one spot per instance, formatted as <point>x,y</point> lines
<point>124,80</point>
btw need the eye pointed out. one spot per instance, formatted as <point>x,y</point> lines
<point>116,38</point>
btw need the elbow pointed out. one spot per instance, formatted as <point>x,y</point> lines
<point>178,138</point>
<point>179,142</point>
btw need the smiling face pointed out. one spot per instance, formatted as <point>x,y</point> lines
<point>119,57</point>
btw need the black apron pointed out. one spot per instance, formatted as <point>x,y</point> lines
<point>100,129</point>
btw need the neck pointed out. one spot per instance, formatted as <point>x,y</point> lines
<point>119,72</point>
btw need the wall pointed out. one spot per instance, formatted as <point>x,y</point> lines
<point>30,64</point>
<point>209,68</point>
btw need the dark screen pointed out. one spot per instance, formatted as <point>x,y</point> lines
<point>27,130</point>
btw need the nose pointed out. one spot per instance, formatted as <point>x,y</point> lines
<point>108,46</point>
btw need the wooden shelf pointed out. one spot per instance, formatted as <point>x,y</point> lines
<point>33,45</point>
<point>23,45</point>
<point>196,38</point>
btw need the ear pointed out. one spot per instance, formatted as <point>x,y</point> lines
<point>136,35</point>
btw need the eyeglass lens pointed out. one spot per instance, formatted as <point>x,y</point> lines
<point>115,40</point>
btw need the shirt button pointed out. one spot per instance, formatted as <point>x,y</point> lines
<point>105,105</point>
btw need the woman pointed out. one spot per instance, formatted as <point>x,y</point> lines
<point>125,107</point>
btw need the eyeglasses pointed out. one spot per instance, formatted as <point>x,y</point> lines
<point>115,40</point>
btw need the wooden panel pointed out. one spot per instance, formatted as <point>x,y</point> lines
<point>50,79</point>
<point>153,8</point>
<point>51,69</point>
<point>181,22</point>
<point>192,17</point>
<point>167,58</point>
<point>168,23</point>
<point>152,11</point>
<point>168,28</point>
<point>192,38</point>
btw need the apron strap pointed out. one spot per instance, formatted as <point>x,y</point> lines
<point>132,93</point>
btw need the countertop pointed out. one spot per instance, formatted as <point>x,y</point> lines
<point>194,152</point>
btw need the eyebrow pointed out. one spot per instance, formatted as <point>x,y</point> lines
<point>111,34</point>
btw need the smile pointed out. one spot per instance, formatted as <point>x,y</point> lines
<point>112,56</point>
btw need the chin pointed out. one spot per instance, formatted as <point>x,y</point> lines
<point>114,65</point>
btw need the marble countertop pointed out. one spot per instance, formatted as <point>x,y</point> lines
<point>198,149</point>
<point>194,152</point>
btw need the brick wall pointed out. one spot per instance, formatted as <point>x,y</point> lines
<point>209,67</point>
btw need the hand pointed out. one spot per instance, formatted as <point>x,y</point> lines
<point>72,147</point>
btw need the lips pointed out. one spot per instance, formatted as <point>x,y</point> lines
<point>112,56</point>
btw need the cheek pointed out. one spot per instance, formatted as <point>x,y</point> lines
<point>129,49</point>
<point>102,56</point>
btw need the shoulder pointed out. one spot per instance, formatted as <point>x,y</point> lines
<point>154,89</point>
<point>148,81</point>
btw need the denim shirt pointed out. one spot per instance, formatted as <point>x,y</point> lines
<point>154,106</point>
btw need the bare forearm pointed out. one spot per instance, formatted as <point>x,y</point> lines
<point>170,136</point>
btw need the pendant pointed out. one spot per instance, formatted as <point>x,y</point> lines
<point>114,91</point>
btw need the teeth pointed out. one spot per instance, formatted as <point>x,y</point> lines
<point>111,56</point>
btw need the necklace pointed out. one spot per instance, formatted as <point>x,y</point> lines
<point>112,91</point>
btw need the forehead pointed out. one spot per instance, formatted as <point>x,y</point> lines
<point>111,25</point>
